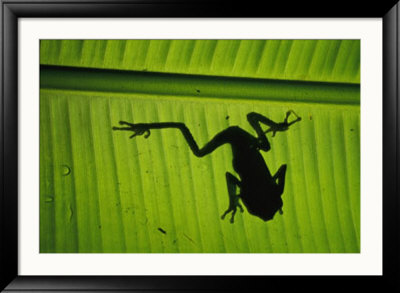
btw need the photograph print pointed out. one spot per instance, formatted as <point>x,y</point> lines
<point>200,146</point>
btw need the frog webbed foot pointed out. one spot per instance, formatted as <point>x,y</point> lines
<point>233,208</point>
<point>138,129</point>
<point>283,126</point>
<point>144,132</point>
<point>232,183</point>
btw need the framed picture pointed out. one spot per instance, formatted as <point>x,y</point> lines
<point>167,146</point>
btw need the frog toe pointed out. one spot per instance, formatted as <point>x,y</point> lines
<point>224,214</point>
<point>233,216</point>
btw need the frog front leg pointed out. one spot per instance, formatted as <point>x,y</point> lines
<point>255,119</point>
<point>232,182</point>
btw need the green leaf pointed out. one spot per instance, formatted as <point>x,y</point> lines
<point>310,60</point>
<point>101,191</point>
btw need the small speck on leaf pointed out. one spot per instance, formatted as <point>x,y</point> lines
<point>162,230</point>
<point>49,199</point>
<point>188,238</point>
<point>66,170</point>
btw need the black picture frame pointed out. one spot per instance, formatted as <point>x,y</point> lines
<point>11,11</point>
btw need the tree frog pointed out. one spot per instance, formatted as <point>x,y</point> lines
<point>260,191</point>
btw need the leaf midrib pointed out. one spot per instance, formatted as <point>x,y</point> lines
<point>117,81</point>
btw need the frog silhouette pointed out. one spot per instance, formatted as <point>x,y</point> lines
<point>260,191</point>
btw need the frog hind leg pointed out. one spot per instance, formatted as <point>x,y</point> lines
<point>279,177</point>
<point>232,182</point>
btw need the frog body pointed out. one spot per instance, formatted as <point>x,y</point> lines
<point>260,191</point>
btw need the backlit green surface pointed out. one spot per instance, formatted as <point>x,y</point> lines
<point>312,60</point>
<point>103,192</point>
